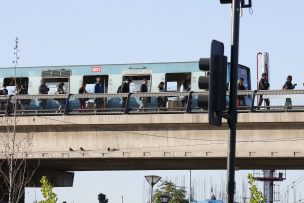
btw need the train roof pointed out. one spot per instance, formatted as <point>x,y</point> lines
<point>113,64</point>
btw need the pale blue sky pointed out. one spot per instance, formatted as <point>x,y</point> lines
<point>57,32</point>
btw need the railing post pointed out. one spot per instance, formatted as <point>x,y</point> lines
<point>67,105</point>
<point>126,111</point>
<point>252,101</point>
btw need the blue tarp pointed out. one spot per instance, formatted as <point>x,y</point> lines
<point>208,201</point>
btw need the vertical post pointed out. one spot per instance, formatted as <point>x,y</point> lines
<point>190,193</point>
<point>233,100</point>
<point>151,200</point>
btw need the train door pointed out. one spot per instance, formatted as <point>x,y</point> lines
<point>137,81</point>
<point>52,78</point>
<point>11,82</point>
<point>90,81</point>
<point>175,80</point>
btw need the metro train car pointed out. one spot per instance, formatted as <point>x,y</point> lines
<point>112,76</point>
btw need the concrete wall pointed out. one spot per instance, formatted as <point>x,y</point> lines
<point>165,141</point>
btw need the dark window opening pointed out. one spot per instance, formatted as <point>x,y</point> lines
<point>137,82</point>
<point>10,83</point>
<point>175,80</point>
<point>90,81</point>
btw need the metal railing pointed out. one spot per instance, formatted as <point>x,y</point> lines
<point>141,103</point>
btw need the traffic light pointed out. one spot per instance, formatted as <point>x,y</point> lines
<point>243,3</point>
<point>226,1</point>
<point>215,82</point>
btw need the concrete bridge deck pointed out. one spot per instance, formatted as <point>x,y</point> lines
<point>161,141</point>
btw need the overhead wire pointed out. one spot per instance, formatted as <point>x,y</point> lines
<point>185,138</point>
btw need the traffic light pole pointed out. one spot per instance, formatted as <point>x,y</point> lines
<point>233,100</point>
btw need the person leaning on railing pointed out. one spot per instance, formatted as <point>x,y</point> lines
<point>288,86</point>
<point>264,85</point>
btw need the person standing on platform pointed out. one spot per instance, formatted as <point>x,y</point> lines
<point>82,101</point>
<point>99,89</point>
<point>241,98</point>
<point>144,100</point>
<point>264,85</point>
<point>288,86</point>
<point>43,89</point>
<point>125,88</point>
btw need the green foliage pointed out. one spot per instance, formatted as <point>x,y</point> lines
<point>102,198</point>
<point>47,191</point>
<point>177,194</point>
<point>256,196</point>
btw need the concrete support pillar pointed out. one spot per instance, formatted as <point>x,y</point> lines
<point>268,185</point>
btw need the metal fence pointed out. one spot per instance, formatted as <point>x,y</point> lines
<point>141,103</point>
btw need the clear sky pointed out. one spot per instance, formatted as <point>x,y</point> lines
<point>56,32</point>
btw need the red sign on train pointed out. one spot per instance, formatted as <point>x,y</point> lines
<point>96,69</point>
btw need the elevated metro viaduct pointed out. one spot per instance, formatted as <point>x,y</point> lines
<point>158,142</point>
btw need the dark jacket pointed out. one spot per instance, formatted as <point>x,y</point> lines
<point>125,88</point>
<point>263,84</point>
<point>240,87</point>
<point>43,89</point>
<point>144,88</point>
<point>288,86</point>
<point>99,88</point>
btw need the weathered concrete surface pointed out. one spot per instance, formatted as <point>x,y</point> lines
<point>164,141</point>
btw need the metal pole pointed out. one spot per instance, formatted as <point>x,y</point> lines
<point>257,72</point>
<point>190,193</point>
<point>151,193</point>
<point>233,100</point>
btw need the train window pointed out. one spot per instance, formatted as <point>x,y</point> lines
<point>53,83</point>
<point>175,80</point>
<point>137,81</point>
<point>10,83</point>
<point>90,81</point>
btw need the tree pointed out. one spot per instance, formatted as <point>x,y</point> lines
<point>47,191</point>
<point>256,196</point>
<point>177,194</point>
<point>14,148</point>
<point>102,198</point>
